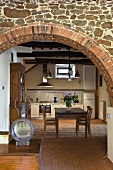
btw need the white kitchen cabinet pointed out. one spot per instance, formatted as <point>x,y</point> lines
<point>63,105</point>
<point>102,113</point>
<point>52,110</point>
<point>89,77</point>
<point>34,110</point>
<point>78,105</point>
<point>56,105</point>
<point>89,100</point>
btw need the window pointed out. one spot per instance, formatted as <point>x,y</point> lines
<point>62,70</point>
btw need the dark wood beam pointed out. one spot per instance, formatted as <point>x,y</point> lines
<point>39,44</point>
<point>46,57</point>
<point>57,61</point>
<point>52,54</point>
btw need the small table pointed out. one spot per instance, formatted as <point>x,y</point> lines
<point>72,113</point>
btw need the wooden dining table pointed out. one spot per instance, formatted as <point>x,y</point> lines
<point>72,113</point>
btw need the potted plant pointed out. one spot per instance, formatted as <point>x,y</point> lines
<point>69,99</point>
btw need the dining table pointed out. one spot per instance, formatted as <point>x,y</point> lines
<point>70,113</point>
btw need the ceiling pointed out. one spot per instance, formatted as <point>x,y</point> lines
<point>39,52</point>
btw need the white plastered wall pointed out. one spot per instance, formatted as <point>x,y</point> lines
<point>110,133</point>
<point>5,59</point>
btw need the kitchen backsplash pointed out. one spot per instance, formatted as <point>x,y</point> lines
<point>48,95</point>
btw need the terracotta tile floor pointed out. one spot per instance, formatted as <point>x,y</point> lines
<point>71,152</point>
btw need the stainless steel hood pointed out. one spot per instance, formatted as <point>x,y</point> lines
<point>44,80</point>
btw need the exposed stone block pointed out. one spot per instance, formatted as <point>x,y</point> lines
<point>107,25</point>
<point>104,42</point>
<point>98,32</point>
<point>14,13</point>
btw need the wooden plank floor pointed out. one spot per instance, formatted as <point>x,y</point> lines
<point>18,162</point>
<point>76,153</point>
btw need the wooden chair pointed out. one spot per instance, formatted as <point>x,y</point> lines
<point>81,121</point>
<point>48,121</point>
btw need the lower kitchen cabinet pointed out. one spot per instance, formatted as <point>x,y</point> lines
<point>35,110</point>
<point>78,105</point>
<point>55,105</point>
<point>89,100</point>
<point>102,113</point>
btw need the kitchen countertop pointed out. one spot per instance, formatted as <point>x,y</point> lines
<point>51,102</point>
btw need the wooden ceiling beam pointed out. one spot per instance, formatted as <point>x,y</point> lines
<point>57,56</point>
<point>39,44</point>
<point>52,54</point>
<point>57,61</point>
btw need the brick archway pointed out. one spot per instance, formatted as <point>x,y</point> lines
<point>65,35</point>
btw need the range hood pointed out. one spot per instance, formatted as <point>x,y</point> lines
<point>44,80</point>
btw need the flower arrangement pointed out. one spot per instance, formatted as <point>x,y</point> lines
<point>69,98</point>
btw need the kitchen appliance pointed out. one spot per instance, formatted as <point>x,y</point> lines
<point>89,100</point>
<point>47,109</point>
<point>45,80</point>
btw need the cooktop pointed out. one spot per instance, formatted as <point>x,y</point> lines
<point>45,102</point>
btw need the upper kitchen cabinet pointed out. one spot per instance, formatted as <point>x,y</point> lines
<point>89,77</point>
<point>17,81</point>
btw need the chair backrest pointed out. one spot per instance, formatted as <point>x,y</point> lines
<point>89,111</point>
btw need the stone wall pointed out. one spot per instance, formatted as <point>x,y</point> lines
<point>83,25</point>
<point>91,17</point>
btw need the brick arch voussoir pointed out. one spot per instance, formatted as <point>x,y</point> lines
<point>65,35</point>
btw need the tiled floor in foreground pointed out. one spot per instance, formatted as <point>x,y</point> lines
<point>69,152</point>
<point>75,153</point>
